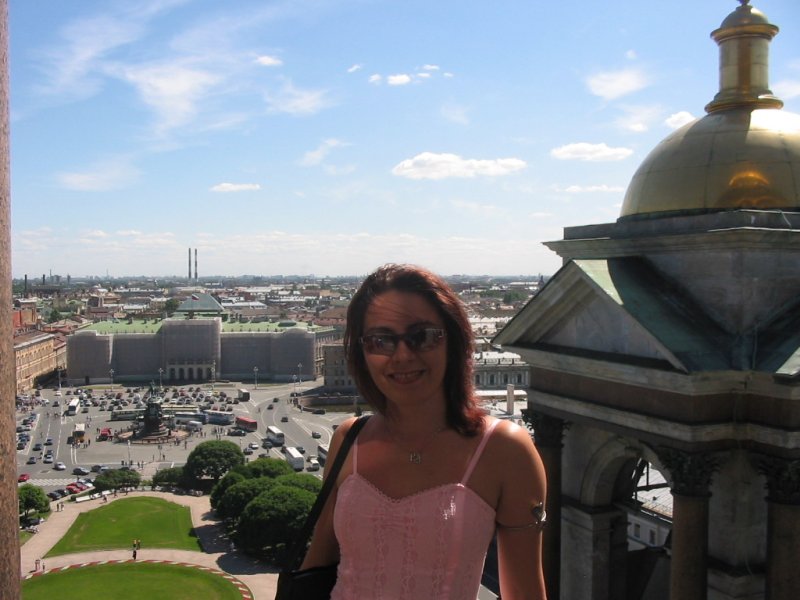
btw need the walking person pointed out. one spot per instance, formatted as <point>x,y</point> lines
<point>430,478</point>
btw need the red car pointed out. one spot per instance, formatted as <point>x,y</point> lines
<point>22,478</point>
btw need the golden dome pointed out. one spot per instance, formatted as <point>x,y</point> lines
<point>745,153</point>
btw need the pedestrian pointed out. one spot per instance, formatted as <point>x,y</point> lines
<point>37,563</point>
<point>134,554</point>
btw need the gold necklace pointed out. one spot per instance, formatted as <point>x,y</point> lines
<point>414,456</point>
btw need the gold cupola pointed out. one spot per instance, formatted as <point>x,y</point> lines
<point>744,153</point>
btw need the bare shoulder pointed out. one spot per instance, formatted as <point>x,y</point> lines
<point>511,440</point>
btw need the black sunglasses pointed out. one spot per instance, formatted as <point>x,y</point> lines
<point>419,340</point>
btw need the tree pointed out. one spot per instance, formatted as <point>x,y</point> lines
<point>265,467</point>
<point>171,476</point>
<point>239,495</point>
<point>304,481</point>
<point>114,479</point>
<point>230,478</point>
<point>213,459</point>
<point>171,305</point>
<point>54,316</point>
<point>32,497</point>
<point>272,520</point>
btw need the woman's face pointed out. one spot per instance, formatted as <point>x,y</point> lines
<point>405,376</point>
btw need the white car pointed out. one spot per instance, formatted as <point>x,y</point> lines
<point>58,392</point>
<point>60,466</point>
<point>254,445</point>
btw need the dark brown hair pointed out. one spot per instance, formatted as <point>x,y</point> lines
<point>462,413</point>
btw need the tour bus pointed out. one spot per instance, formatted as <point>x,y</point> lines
<point>80,433</point>
<point>322,453</point>
<point>244,395</point>
<point>275,436</point>
<point>127,414</point>
<point>182,418</point>
<point>295,459</point>
<point>72,408</point>
<point>219,417</point>
<point>246,423</point>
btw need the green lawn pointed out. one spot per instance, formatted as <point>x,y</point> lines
<point>156,522</point>
<point>131,580</point>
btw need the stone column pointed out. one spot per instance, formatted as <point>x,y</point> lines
<point>548,433</point>
<point>9,508</point>
<point>783,527</point>
<point>690,480</point>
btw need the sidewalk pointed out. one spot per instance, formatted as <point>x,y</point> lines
<point>261,579</point>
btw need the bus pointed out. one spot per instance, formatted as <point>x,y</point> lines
<point>127,414</point>
<point>219,417</point>
<point>322,453</point>
<point>182,418</point>
<point>246,423</point>
<point>79,435</point>
<point>294,458</point>
<point>72,408</point>
<point>244,395</point>
<point>275,436</point>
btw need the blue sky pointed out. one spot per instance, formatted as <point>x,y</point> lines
<point>331,136</point>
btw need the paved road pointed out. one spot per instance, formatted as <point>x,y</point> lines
<point>261,579</point>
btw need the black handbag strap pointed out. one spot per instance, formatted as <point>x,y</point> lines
<point>298,550</point>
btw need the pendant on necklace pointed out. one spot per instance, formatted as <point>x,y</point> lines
<point>414,457</point>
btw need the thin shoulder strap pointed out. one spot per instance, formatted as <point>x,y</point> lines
<point>479,450</point>
<point>300,545</point>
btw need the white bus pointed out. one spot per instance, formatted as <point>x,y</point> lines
<point>295,459</point>
<point>243,395</point>
<point>72,408</point>
<point>322,453</point>
<point>275,436</point>
<point>219,417</point>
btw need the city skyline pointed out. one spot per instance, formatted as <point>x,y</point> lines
<point>331,136</point>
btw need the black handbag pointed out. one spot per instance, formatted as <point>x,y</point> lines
<point>315,583</point>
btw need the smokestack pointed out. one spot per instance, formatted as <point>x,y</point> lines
<point>190,264</point>
<point>26,286</point>
<point>195,265</point>
<point>43,279</point>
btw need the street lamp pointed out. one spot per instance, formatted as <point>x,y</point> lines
<point>255,376</point>
<point>110,372</point>
<point>213,373</point>
<point>160,382</point>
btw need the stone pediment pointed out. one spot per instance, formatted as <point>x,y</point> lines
<point>619,310</point>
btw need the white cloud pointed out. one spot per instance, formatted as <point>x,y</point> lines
<point>615,84</point>
<point>430,67</point>
<point>128,232</point>
<point>786,89</point>
<point>429,165</point>
<point>588,189</point>
<point>399,79</point>
<point>235,187</point>
<point>295,101</point>
<point>316,156</point>
<point>477,209</point>
<point>173,90</point>
<point>103,176</point>
<point>638,118</point>
<point>679,119</point>
<point>631,55</point>
<point>269,61</point>
<point>590,152</point>
<point>455,113</point>
<point>355,68</point>
<point>375,78</point>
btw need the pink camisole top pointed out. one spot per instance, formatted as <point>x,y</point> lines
<point>430,545</point>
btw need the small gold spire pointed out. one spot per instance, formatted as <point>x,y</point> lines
<point>743,40</point>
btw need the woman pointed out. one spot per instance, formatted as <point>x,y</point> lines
<point>430,478</point>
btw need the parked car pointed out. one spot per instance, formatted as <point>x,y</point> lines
<point>254,445</point>
<point>31,460</point>
<point>48,459</point>
<point>313,465</point>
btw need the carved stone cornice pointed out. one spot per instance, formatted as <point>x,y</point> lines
<point>548,432</point>
<point>690,472</point>
<point>783,479</point>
